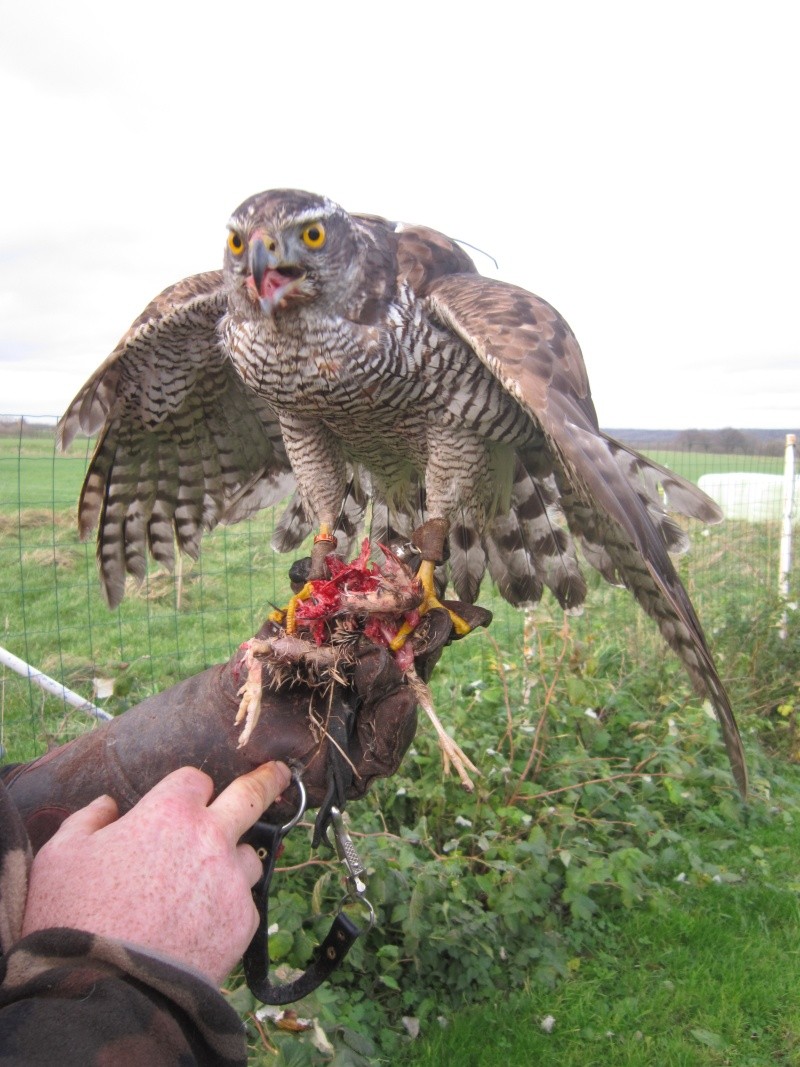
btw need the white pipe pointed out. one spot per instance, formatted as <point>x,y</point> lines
<point>50,685</point>
<point>785,564</point>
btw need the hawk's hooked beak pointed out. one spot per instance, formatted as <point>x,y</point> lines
<point>273,281</point>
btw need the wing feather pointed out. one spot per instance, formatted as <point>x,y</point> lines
<point>608,492</point>
<point>180,436</point>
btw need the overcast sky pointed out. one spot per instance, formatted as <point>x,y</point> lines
<point>634,163</point>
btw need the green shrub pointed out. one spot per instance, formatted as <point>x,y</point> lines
<point>598,782</point>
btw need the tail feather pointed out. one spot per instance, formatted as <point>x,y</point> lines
<point>350,524</point>
<point>292,528</point>
<point>467,558</point>
<point>509,562</point>
<point>549,544</point>
<point>663,487</point>
<point>263,489</point>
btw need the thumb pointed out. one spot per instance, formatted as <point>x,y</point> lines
<point>101,812</point>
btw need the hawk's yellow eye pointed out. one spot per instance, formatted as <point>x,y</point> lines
<point>314,235</point>
<point>235,243</point>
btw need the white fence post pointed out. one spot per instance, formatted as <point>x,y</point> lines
<point>785,565</point>
<point>50,685</point>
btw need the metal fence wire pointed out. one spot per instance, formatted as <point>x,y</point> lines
<point>54,618</point>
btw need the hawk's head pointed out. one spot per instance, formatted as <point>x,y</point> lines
<point>287,248</point>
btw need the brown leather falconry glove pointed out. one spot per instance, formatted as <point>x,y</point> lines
<point>372,717</point>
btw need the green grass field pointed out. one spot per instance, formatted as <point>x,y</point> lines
<point>55,618</point>
<point>552,889</point>
<point>692,465</point>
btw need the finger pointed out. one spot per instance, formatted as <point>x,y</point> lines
<point>101,812</point>
<point>248,797</point>
<point>186,782</point>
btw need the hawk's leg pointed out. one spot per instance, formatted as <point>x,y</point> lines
<point>324,542</point>
<point>430,540</point>
<point>320,470</point>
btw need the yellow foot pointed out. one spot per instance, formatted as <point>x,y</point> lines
<point>287,617</point>
<point>430,601</point>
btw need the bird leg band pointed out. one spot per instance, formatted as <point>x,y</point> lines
<point>324,542</point>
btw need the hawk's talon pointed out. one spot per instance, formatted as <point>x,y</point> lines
<point>401,637</point>
<point>425,574</point>
<point>290,624</point>
<point>461,626</point>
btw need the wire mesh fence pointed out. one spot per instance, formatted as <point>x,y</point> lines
<point>54,617</point>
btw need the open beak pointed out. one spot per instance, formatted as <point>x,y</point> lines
<point>273,280</point>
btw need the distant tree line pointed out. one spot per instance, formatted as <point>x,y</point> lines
<point>727,441</point>
<point>19,426</point>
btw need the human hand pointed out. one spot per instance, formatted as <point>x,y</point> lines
<point>169,875</point>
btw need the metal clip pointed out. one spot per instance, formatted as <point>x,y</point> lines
<point>298,781</point>
<point>346,850</point>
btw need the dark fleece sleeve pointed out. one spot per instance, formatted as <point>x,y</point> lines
<point>70,997</point>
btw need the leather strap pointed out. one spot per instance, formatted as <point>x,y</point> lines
<point>266,839</point>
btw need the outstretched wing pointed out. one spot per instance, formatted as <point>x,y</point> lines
<point>182,442</point>
<point>608,492</point>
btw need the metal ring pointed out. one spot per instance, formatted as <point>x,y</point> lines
<point>371,921</point>
<point>303,801</point>
<point>348,899</point>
